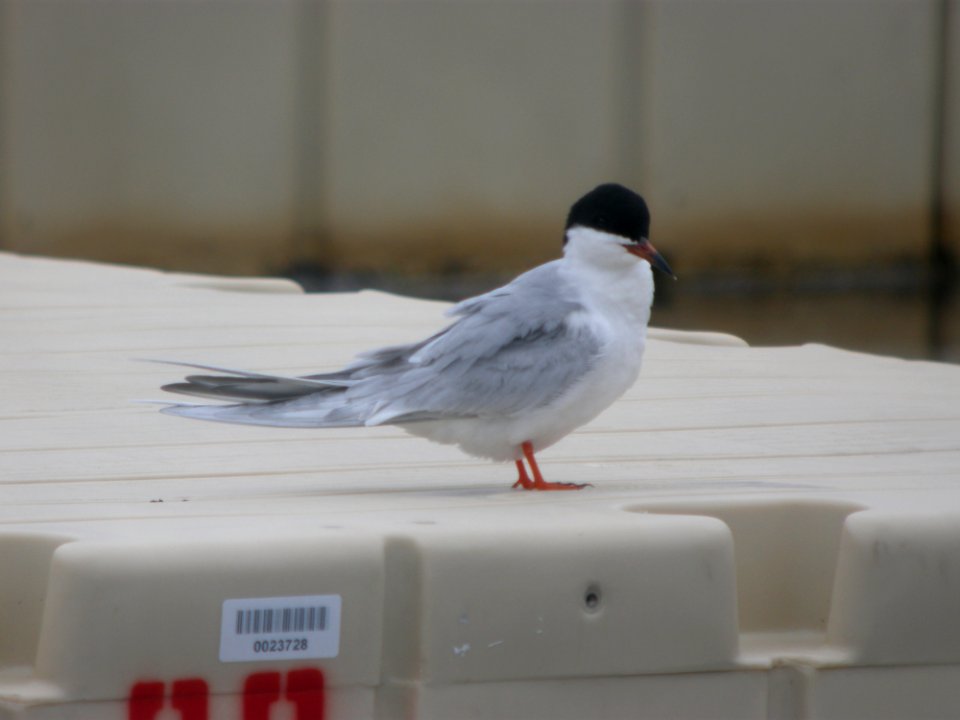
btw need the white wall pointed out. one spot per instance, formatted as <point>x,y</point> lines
<point>134,129</point>
<point>805,127</point>
<point>239,136</point>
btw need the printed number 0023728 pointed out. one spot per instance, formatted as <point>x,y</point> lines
<point>269,646</point>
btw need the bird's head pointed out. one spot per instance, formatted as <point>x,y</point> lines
<point>610,224</point>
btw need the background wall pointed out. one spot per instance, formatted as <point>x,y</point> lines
<point>801,157</point>
<point>434,135</point>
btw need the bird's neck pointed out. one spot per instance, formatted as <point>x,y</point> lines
<point>624,290</point>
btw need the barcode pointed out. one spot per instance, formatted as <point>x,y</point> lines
<point>276,621</point>
<point>280,628</point>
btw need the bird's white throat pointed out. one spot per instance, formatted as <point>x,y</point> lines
<point>597,248</point>
<point>608,275</point>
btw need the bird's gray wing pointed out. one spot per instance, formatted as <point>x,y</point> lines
<point>512,350</point>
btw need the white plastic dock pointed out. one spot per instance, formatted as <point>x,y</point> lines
<point>772,532</point>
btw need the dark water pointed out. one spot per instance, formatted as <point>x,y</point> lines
<point>902,324</point>
<point>901,316</point>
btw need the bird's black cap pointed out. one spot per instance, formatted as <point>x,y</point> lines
<point>614,209</point>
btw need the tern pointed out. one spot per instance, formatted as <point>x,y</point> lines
<point>520,367</point>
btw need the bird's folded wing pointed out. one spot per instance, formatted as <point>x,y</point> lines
<point>524,375</point>
<point>513,351</point>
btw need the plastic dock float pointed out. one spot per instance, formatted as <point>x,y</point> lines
<point>772,532</point>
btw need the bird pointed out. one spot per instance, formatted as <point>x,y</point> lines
<point>518,368</point>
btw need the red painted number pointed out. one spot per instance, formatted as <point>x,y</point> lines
<point>189,697</point>
<point>304,689</point>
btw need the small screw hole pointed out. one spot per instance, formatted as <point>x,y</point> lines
<point>591,599</point>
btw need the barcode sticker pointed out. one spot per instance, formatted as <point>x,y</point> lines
<point>280,628</point>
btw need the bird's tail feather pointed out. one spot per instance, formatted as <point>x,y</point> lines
<point>250,386</point>
<point>256,414</point>
<point>274,400</point>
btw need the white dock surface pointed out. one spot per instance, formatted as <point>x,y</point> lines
<point>772,532</point>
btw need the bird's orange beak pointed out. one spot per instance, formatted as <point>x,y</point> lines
<point>644,249</point>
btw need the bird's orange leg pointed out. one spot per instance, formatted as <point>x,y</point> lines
<point>523,480</point>
<point>538,482</point>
